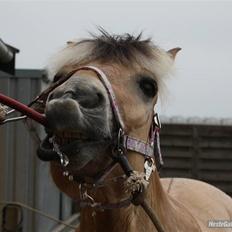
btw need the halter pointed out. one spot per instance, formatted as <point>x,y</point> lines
<point>126,142</point>
<point>150,149</point>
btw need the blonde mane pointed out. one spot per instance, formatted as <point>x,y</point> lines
<point>126,50</point>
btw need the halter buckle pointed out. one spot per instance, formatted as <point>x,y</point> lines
<point>149,167</point>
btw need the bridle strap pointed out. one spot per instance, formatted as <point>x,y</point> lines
<point>102,76</point>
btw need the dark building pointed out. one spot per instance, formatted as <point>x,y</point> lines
<point>7,57</point>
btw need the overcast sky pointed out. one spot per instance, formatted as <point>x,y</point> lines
<point>202,85</point>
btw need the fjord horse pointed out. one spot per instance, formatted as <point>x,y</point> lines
<point>80,110</point>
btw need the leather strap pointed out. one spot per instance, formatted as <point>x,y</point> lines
<point>102,76</point>
<point>137,145</point>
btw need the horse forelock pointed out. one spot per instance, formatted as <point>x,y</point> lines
<point>126,50</point>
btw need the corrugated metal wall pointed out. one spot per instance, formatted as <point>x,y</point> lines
<point>201,152</point>
<point>23,177</point>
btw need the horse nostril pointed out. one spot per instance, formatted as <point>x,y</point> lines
<point>92,100</point>
<point>100,97</point>
<point>87,98</point>
<point>69,94</point>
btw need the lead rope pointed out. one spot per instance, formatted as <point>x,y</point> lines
<point>152,215</point>
<point>137,185</point>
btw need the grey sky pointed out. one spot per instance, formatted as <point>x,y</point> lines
<point>202,83</point>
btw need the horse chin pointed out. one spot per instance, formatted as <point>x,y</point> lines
<point>86,155</point>
<point>89,158</point>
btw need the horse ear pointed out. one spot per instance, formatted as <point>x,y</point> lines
<point>172,52</point>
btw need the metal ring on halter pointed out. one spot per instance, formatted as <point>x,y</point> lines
<point>157,120</point>
<point>120,139</point>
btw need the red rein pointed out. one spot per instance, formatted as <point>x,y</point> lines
<point>24,109</point>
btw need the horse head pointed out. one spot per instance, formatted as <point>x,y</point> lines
<point>79,109</point>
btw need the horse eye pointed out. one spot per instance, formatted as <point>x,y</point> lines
<point>148,86</point>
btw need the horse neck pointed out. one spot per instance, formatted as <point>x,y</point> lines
<point>133,217</point>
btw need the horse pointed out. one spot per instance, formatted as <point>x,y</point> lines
<point>83,133</point>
